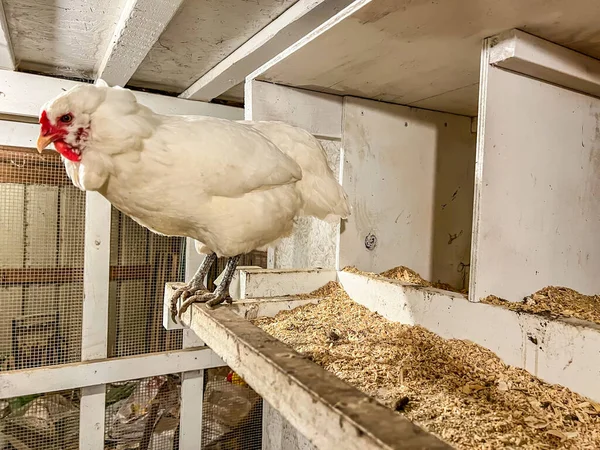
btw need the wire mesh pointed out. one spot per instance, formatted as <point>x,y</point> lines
<point>142,262</point>
<point>40,422</point>
<point>143,414</point>
<point>231,412</point>
<point>41,261</point>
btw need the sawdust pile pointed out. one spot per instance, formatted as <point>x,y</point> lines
<point>406,275</point>
<point>557,301</point>
<point>458,390</point>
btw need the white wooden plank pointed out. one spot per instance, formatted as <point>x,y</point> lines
<point>17,383</point>
<point>319,114</point>
<point>18,134</point>
<point>409,175</point>
<point>297,21</point>
<point>269,307</point>
<point>192,383</point>
<point>7,57</point>
<point>192,400</point>
<point>538,226</point>
<point>261,283</point>
<point>94,337</point>
<point>541,59</point>
<point>562,351</point>
<point>329,412</point>
<point>24,94</point>
<point>139,27</point>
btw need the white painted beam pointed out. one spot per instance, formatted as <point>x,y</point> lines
<point>319,114</point>
<point>537,58</point>
<point>24,94</point>
<point>139,27</point>
<point>94,334</point>
<point>16,383</point>
<point>296,22</point>
<point>7,57</point>
<point>562,351</point>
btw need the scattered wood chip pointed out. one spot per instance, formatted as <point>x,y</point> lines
<point>505,407</point>
<point>407,275</point>
<point>557,301</point>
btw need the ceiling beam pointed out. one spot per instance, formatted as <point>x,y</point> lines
<point>139,27</point>
<point>297,21</point>
<point>7,57</point>
<point>23,95</point>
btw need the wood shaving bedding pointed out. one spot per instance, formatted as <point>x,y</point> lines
<point>406,275</point>
<point>557,301</point>
<point>455,389</point>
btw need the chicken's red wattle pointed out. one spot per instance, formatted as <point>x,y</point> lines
<point>67,151</point>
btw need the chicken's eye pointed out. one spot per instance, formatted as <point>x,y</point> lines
<point>66,118</point>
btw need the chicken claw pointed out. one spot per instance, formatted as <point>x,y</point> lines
<point>220,294</point>
<point>194,287</point>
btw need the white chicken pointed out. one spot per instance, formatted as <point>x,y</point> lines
<point>233,186</point>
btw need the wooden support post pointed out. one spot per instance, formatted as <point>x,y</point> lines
<point>95,316</point>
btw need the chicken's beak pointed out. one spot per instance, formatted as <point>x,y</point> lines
<point>43,142</point>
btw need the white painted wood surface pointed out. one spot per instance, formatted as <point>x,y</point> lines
<point>64,37</point>
<point>528,55</point>
<point>7,57</point>
<point>424,55</point>
<point>261,283</point>
<point>409,175</point>
<point>297,21</point>
<point>18,134</point>
<point>562,351</point>
<point>538,191</point>
<point>99,372</point>
<point>94,335</point>
<point>200,36</point>
<point>24,94</point>
<point>140,25</point>
<point>192,383</point>
<point>319,114</point>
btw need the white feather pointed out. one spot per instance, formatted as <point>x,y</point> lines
<point>232,186</point>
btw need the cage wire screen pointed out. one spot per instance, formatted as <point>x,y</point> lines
<point>42,220</point>
<point>41,261</point>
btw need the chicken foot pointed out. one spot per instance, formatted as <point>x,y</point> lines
<point>194,286</point>
<point>221,292</point>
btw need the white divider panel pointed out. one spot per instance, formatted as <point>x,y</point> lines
<point>562,351</point>
<point>409,175</point>
<point>537,209</point>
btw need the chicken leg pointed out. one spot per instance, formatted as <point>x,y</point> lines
<point>221,292</point>
<point>195,285</point>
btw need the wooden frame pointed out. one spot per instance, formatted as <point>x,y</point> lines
<point>17,383</point>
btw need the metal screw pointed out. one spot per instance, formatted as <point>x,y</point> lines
<point>370,241</point>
